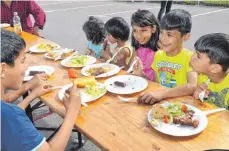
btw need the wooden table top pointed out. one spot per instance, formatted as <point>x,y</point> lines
<point>114,125</point>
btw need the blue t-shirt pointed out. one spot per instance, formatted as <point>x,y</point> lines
<point>17,131</point>
<point>96,48</point>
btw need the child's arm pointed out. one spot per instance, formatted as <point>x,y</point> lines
<point>120,58</point>
<point>155,77</point>
<point>60,140</point>
<point>14,95</point>
<point>38,91</point>
<point>156,96</point>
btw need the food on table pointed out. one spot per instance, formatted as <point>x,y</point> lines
<point>92,90</point>
<point>95,71</point>
<point>32,73</point>
<point>82,82</point>
<point>53,54</point>
<point>46,47</point>
<point>95,90</point>
<point>77,61</point>
<point>175,112</point>
<point>72,73</point>
<point>67,53</point>
<point>119,84</point>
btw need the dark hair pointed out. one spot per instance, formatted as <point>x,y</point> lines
<point>144,18</point>
<point>118,28</point>
<point>11,45</point>
<point>216,46</point>
<point>94,30</point>
<point>177,19</point>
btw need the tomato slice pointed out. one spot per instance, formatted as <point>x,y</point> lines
<point>166,120</point>
<point>72,73</point>
<point>184,108</point>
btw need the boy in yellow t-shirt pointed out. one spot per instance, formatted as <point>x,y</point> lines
<point>211,61</point>
<point>171,63</point>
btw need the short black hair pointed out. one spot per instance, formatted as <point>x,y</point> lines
<point>118,28</point>
<point>145,18</point>
<point>94,30</point>
<point>11,46</point>
<point>177,19</point>
<point>216,46</point>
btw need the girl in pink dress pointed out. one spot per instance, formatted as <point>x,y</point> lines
<point>145,35</point>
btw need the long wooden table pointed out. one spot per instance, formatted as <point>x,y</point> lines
<point>114,125</point>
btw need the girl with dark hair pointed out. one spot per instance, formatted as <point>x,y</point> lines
<point>118,34</point>
<point>145,37</point>
<point>95,33</point>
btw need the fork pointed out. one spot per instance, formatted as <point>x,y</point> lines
<point>127,99</point>
<point>201,95</point>
<point>211,111</point>
<point>132,66</point>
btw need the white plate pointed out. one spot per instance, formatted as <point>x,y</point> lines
<point>134,84</point>
<point>35,50</point>
<point>182,130</point>
<point>5,25</point>
<point>114,69</point>
<point>90,60</point>
<point>84,96</point>
<point>47,69</point>
<point>59,53</point>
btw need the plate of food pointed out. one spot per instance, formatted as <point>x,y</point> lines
<point>4,25</point>
<point>100,70</point>
<point>177,119</point>
<point>33,70</point>
<point>44,47</point>
<point>126,84</point>
<point>90,90</point>
<point>59,54</point>
<point>78,61</point>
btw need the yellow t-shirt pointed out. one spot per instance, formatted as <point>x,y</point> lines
<point>172,71</point>
<point>219,94</point>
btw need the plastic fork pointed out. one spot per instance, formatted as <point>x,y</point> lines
<point>132,66</point>
<point>201,95</point>
<point>211,111</point>
<point>127,99</point>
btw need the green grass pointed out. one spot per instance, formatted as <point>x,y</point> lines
<point>209,2</point>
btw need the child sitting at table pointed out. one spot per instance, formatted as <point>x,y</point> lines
<point>211,61</point>
<point>118,32</point>
<point>95,33</point>
<point>171,63</point>
<point>17,131</point>
<point>145,36</point>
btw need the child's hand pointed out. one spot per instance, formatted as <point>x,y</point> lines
<point>41,89</point>
<point>138,67</point>
<point>72,99</point>
<point>105,54</point>
<point>35,81</point>
<point>200,88</point>
<point>149,98</point>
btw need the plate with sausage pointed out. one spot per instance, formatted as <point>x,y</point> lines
<point>177,119</point>
<point>126,84</point>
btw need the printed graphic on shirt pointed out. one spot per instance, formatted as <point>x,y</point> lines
<point>218,98</point>
<point>167,71</point>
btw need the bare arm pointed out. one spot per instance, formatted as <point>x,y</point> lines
<point>14,95</point>
<point>59,142</point>
<point>155,78</point>
<point>156,96</point>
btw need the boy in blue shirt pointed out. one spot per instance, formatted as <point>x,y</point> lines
<point>17,131</point>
